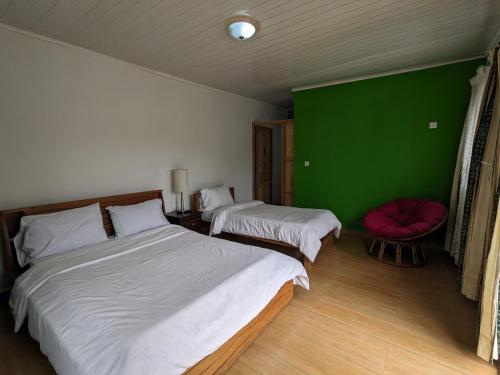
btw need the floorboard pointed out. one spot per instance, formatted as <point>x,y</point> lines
<point>360,317</point>
<point>365,317</point>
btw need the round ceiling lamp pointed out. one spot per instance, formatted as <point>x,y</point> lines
<point>242,27</point>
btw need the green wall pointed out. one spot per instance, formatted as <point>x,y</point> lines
<point>369,141</point>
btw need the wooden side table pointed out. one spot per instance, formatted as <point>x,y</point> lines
<point>190,220</point>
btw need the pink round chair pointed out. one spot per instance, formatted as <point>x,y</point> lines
<point>395,227</point>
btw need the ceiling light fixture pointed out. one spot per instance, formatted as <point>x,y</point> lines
<point>242,27</point>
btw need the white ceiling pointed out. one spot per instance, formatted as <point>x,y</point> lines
<point>301,42</point>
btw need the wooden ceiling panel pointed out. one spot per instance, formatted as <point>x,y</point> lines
<point>301,42</point>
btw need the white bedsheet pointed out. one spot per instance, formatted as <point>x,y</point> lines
<point>207,215</point>
<point>300,227</point>
<point>153,303</point>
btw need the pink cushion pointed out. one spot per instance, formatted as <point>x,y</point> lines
<point>404,218</point>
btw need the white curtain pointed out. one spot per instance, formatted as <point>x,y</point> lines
<point>457,199</point>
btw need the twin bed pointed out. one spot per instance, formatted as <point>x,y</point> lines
<point>166,300</point>
<point>298,232</point>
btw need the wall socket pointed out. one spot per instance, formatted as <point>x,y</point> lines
<point>433,125</point>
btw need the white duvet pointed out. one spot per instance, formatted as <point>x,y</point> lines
<point>153,303</point>
<point>301,227</point>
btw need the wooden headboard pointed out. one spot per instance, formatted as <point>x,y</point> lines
<point>197,198</point>
<point>10,219</point>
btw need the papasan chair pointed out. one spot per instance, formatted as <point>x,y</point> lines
<point>397,225</point>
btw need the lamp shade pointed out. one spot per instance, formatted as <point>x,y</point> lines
<point>180,180</point>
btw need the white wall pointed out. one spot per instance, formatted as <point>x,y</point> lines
<point>77,124</point>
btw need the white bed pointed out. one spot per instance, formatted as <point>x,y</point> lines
<point>300,227</point>
<point>153,303</point>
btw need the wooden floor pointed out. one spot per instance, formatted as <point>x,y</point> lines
<point>360,317</point>
<point>365,317</point>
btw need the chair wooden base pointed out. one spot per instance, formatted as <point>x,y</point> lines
<point>398,253</point>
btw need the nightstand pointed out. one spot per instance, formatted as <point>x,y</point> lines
<point>190,220</point>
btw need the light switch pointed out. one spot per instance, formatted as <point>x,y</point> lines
<point>306,163</point>
<point>433,125</point>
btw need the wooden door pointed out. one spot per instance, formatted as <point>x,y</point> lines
<point>263,163</point>
<point>287,167</point>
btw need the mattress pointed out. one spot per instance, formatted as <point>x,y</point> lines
<point>300,227</point>
<point>152,303</point>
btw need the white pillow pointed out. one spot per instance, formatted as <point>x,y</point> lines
<point>135,218</point>
<point>213,198</point>
<point>47,234</point>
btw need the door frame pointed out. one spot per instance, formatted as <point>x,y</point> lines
<point>266,124</point>
<point>256,124</point>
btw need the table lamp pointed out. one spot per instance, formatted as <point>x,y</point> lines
<point>181,186</point>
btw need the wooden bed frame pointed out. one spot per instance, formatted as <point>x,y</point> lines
<point>217,362</point>
<point>10,219</point>
<point>282,247</point>
<point>223,358</point>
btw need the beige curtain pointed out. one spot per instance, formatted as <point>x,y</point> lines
<point>459,189</point>
<point>489,304</point>
<point>478,237</point>
<point>483,209</point>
